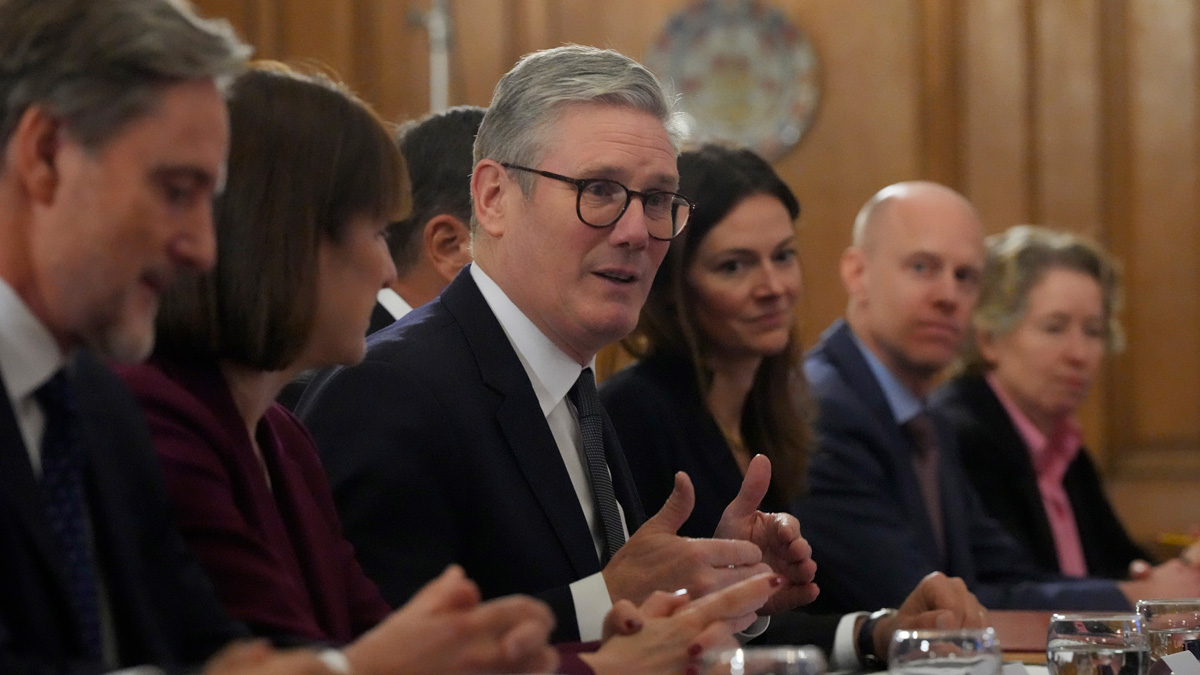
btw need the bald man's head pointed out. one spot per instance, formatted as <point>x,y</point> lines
<point>912,273</point>
<point>878,207</point>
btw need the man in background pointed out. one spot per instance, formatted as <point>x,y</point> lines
<point>433,243</point>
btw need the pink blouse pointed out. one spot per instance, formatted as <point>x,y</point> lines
<point>1051,456</point>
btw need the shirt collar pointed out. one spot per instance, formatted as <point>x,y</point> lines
<point>29,355</point>
<point>550,370</point>
<point>393,303</point>
<point>904,404</point>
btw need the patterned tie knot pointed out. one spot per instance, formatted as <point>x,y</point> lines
<point>583,394</point>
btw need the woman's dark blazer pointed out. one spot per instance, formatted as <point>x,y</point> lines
<point>998,463</point>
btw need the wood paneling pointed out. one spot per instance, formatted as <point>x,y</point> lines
<point>1076,113</point>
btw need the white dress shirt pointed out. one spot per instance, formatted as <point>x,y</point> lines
<point>29,357</point>
<point>552,374</point>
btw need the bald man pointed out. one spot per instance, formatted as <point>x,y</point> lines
<point>888,500</point>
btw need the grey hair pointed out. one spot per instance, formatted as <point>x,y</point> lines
<point>529,98</point>
<point>1019,258</point>
<point>98,64</point>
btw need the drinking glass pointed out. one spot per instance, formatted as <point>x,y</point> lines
<point>968,651</point>
<point>1096,644</point>
<point>1171,625</point>
<point>806,660</point>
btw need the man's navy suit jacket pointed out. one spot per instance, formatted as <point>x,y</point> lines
<point>867,522</point>
<point>164,609</point>
<point>438,452</point>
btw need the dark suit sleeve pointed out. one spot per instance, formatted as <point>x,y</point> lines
<point>392,449</point>
<point>375,426</point>
<point>1106,544</point>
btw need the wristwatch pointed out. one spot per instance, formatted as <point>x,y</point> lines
<point>866,640</point>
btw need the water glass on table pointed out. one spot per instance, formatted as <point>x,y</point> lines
<point>1096,644</point>
<point>1171,626</point>
<point>968,651</point>
<point>806,660</point>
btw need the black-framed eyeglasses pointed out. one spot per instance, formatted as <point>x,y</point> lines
<point>600,203</point>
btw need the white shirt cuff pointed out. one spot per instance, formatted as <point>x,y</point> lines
<point>845,655</point>
<point>592,603</point>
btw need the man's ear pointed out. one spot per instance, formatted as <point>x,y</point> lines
<point>491,194</point>
<point>447,241</point>
<point>33,152</point>
<point>853,270</point>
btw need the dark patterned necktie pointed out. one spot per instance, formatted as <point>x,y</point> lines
<point>591,428</point>
<point>62,483</point>
<point>925,462</point>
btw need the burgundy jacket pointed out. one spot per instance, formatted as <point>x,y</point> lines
<point>275,553</point>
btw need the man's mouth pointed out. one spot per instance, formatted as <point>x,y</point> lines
<point>617,276</point>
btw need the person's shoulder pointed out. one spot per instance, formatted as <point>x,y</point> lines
<point>295,441</point>
<point>663,384</point>
<point>965,402</point>
<point>428,329</point>
<point>164,389</point>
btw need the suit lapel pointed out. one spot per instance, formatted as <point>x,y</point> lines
<point>844,355</point>
<point>521,423</point>
<point>24,495</point>
<point>1010,456</point>
<point>623,483</point>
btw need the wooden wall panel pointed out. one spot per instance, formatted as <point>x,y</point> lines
<point>865,135</point>
<point>1163,261</point>
<point>996,125</point>
<point>1076,113</point>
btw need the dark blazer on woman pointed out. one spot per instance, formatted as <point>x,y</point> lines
<point>997,461</point>
<point>276,554</point>
<point>664,426</point>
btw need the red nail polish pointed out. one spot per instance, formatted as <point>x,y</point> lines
<point>692,670</point>
<point>694,650</point>
<point>776,581</point>
<point>633,625</point>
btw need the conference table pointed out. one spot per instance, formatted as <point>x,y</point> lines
<point>1022,634</point>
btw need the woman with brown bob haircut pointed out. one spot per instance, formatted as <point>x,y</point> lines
<point>718,381</point>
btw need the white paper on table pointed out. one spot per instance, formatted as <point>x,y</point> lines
<point>1014,669</point>
<point>1182,663</point>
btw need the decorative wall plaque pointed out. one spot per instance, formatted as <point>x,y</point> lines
<point>744,74</point>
